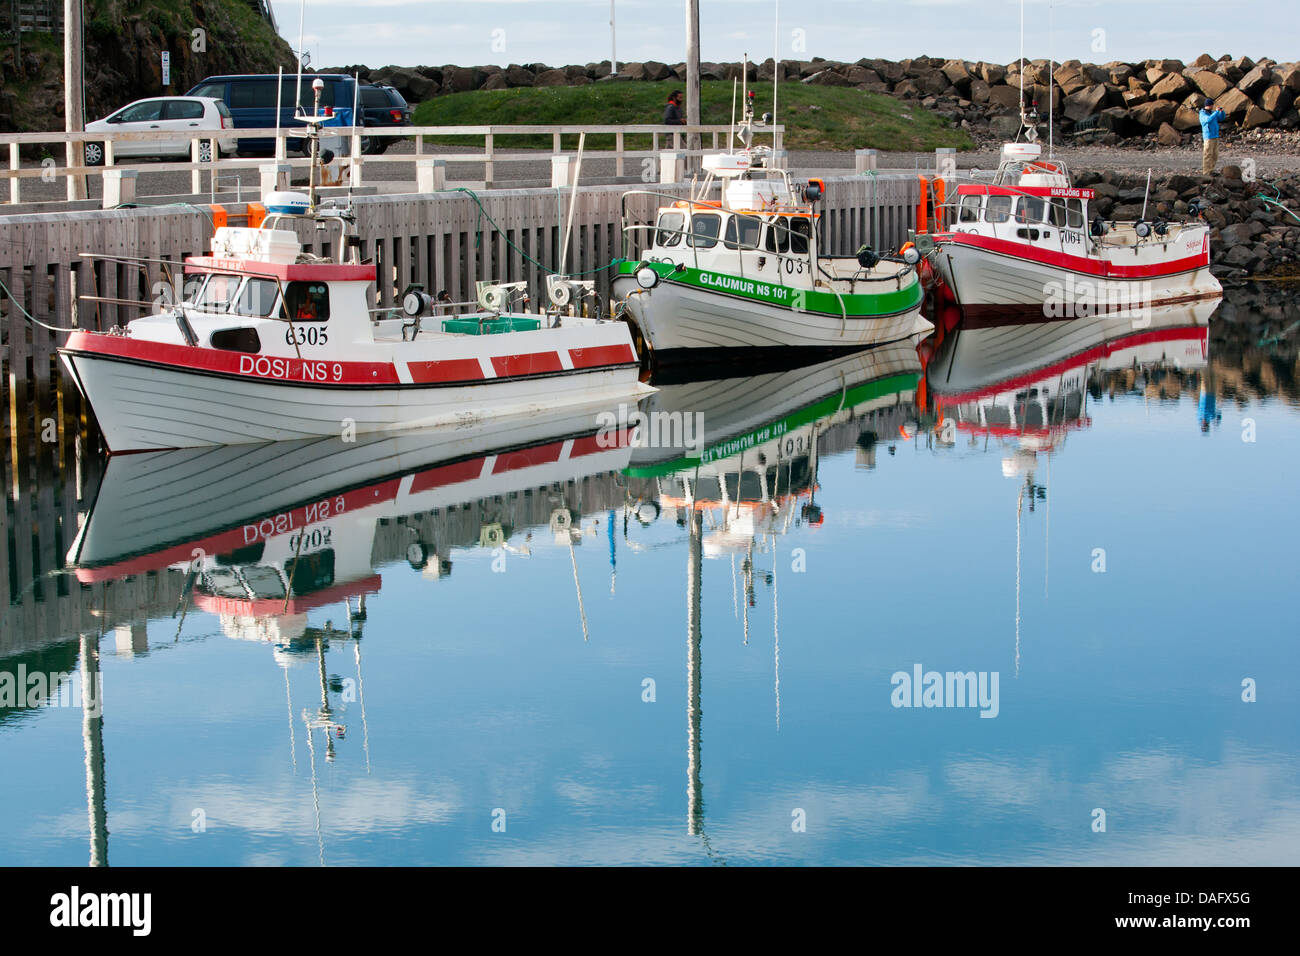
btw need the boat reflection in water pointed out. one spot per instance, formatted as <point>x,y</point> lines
<point>1024,388</point>
<point>1027,385</point>
<point>753,475</point>
<point>267,533</point>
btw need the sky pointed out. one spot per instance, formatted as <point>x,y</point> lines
<point>559,32</point>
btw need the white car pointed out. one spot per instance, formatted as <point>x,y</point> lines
<point>180,113</point>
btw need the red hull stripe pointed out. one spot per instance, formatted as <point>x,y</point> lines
<point>528,457</point>
<point>286,272</point>
<point>529,363</point>
<point>445,475</point>
<point>1201,336</point>
<point>327,372</point>
<point>448,370</point>
<point>1084,264</point>
<point>262,607</point>
<point>255,367</point>
<point>602,355</point>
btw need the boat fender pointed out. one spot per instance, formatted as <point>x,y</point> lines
<point>1143,229</point>
<point>911,255</point>
<point>1194,208</point>
<point>1098,228</point>
<point>867,257</point>
<point>1161,227</point>
<point>814,191</point>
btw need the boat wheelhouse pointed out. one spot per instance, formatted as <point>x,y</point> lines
<point>1029,246</point>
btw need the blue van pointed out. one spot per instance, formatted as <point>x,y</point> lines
<point>251,99</point>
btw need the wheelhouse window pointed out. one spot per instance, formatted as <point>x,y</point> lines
<point>1074,213</point>
<point>670,229</point>
<point>1056,212</point>
<point>307,301</point>
<point>1029,209</point>
<point>704,230</point>
<point>257,297</point>
<point>800,235</point>
<point>742,232</point>
<point>778,235</point>
<point>997,209</point>
<point>218,293</point>
<point>970,209</point>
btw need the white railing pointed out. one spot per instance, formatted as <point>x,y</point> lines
<point>347,140</point>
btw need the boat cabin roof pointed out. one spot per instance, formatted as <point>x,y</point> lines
<point>284,271</point>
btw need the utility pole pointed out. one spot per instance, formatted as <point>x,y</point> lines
<point>73,105</point>
<point>692,70</point>
<point>613,48</point>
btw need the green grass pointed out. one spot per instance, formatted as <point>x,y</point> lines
<point>845,118</point>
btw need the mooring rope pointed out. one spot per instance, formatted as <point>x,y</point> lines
<point>483,214</point>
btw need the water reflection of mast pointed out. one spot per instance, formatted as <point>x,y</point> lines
<point>92,737</point>
<point>695,551</point>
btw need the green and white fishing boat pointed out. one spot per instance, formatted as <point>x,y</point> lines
<point>736,268</point>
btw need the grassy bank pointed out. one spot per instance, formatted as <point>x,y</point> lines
<point>815,117</point>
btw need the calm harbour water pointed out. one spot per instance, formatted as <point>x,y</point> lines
<point>542,644</point>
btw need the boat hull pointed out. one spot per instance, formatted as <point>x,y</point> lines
<point>144,405</point>
<point>995,284</point>
<point>683,321</point>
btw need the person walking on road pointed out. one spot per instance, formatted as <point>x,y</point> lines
<point>673,109</point>
<point>1210,119</point>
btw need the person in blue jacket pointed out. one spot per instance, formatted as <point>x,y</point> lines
<point>1210,119</point>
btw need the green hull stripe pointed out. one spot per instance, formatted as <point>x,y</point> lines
<point>829,405</point>
<point>857,305</point>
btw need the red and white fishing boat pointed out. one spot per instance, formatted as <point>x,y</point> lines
<point>1026,247</point>
<point>276,343</point>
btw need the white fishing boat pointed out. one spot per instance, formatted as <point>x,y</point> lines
<point>736,269</point>
<point>275,343</point>
<point>1028,246</point>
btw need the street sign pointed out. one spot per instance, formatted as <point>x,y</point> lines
<point>166,68</point>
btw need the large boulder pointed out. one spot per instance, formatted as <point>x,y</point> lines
<point>1004,98</point>
<point>1204,62</point>
<point>460,79</point>
<point>958,75</point>
<point>517,76</point>
<point>1134,98</point>
<point>827,78</point>
<point>1234,104</point>
<point>1256,117</point>
<point>1186,119</point>
<point>1277,99</point>
<point>1171,86</point>
<point>1210,84</point>
<point>1168,136</point>
<point>933,82</point>
<point>1155,113</point>
<point>1254,82</point>
<point>419,89</point>
<point>554,78</point>
<point>1069,79</point>
<point>990,73</point>
<point>655,71</point>
<point>1085,102</point>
